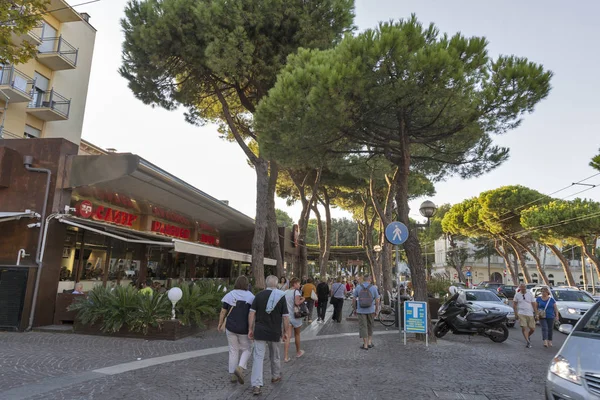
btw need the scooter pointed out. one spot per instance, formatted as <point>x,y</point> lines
<point>462,319</point>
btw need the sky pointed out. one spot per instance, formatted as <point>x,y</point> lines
<point>549,151</point>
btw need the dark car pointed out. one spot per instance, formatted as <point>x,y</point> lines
<point>491,286</point>
<point>507,291</point>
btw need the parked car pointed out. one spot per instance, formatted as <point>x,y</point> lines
<point>507,291</point>
<point>572,304</point>
<point>482,299</point>
<point>491,286</point>
<point>575,371</point>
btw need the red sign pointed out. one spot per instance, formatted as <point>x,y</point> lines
<point>171,216</point>
<point>84,209</point>
<point>113,216</point>
<point>108,197</point>
<point>170,230</point>
<point>208,239</point>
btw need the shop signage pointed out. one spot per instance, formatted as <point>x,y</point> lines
<point>170,230</point>
<point>85,209</point>
<point>107,196</point>
<point>170,216</point>
<point>208,239</point>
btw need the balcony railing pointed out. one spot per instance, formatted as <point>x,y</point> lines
<point>4,134</point>
<point>59,46</point>
<point>16,80</point>
<point>51,100</point>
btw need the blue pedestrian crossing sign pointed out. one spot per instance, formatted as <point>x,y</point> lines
<point>468,274</point>
<point>396,233</point>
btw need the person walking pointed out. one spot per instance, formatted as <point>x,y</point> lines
<point>366,304</point>
<point>547,313</point>
<point>307,292</point>
<point>293,298</point>
<point>268,312</point>
<point>323,295</point>
<point>234,321</point>
<point>338,292</point>
<point>284,284</point>
<point>525,308</point>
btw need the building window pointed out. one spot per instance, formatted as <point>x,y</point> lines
<point>32,133</point>
<point>39,89</point>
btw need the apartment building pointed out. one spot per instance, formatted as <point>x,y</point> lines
<point>46,97</point>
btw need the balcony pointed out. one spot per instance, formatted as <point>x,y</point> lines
<point>49,106</point>
<point>4,134</point>
<point>15,84</point>
<point>57,54</point>
<point>62,11</point>
<point>34,36</point>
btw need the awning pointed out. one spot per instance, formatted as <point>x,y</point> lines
<point>179,246</point>
<point>10,215</point>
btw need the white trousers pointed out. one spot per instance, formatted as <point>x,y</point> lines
<point>258,357</point>
<point>238,343</point>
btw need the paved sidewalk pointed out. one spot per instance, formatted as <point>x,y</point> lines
<point>68,366</point>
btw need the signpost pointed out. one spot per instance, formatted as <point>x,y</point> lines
<point>415,319</point>
<point>397,233</point>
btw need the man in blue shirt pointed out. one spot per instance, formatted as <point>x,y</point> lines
<point>366,304</point>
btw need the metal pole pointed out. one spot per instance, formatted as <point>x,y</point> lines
<point>583,270</point>
<point>489,265</point>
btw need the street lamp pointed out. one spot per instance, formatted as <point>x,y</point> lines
<point>428,209</point>
<point>175,294</point>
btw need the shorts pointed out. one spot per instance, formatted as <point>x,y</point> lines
<point>527,321</point>
<point>295,323</point>
<point>365,325</point>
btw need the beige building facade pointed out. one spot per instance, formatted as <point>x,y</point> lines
<point>495,270</point>
<point>46,97</point>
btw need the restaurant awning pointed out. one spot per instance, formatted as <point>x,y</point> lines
<point>179,246</point>
<point>131,175</point>
<point>13,215</point>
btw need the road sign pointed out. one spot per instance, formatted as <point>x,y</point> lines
<point>468,268</point>
<point>468,274</point>
<point>396,233</point>
<point>415,318</point>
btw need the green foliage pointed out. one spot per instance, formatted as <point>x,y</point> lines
<point>125,306</point>
<point>346,230</point>
<point>595,163</point>
<point>438,284</point>
<point>397,85</point>
<point>563,221</point>
<point>17,17</point>
<point>283,219</point>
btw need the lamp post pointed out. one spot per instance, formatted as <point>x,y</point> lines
<point>428,209</point>
<point>174,295</point>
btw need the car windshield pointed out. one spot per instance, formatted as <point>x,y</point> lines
<point>482,296</point>
<point>593,323</point>
<point>572,295</point>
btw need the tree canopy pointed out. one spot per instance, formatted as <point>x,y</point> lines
<point>283,219</point>
<point>17,17</point>
<point>595,163</point>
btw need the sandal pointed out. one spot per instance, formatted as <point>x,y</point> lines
<point>364,348</point>
<point>287,360</point>
<point>301,354</point>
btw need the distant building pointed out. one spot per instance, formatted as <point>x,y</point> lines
<point>46,97</point>
<point>497,271</point>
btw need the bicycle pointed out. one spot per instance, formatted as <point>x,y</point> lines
<point>387,315</point>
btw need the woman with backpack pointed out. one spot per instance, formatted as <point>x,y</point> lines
<point>234,321</point>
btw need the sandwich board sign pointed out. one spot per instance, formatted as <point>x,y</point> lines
<point>415,319</point>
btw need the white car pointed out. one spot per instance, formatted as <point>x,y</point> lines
<point>572,304</point>
<point>482,299</point>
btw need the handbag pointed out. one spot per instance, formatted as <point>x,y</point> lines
<point>300,311</point>
<point>334,299</point>
<point>542,313</point>
<point>314,296</point>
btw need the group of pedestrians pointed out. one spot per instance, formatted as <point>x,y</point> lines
<point>528,310</point>
<point>273,315</point>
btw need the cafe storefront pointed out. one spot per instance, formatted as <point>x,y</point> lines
<point>113,219</point>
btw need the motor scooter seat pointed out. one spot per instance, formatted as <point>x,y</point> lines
<point>480,316</point>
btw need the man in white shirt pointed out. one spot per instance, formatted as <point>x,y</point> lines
<point>525,311</point>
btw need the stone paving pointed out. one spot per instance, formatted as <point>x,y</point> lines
<point>333,368</point>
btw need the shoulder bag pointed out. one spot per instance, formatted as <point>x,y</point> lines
<point>300,311</point>
<point>542,313</point>
<point>334,299</point>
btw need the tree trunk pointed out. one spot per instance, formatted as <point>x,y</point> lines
<point>260,225</point>
<point>385,216</point>
<point>506,259</point>
<point>456,262</point>
<point>565,264</point>
<point>521,257</point>
<point>589,254</point>
<point>325,255</point>
<point>272,229</point>
<point>322,240</point>
<point>412,245</point>
<point>538,264</point>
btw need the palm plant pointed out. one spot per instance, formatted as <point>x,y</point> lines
<point>199,301</point>
<point>91,308</point>
<point>151,311</point>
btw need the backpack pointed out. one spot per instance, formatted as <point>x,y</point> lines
<point>365,297</point>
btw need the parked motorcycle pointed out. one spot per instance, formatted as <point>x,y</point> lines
<point>461,319</point>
